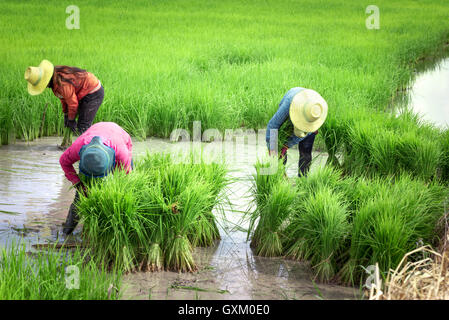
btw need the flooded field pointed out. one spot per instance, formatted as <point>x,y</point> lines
<point>429,95</point>
<point>35,196</point>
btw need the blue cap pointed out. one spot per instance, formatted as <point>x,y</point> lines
<point>96,159</point>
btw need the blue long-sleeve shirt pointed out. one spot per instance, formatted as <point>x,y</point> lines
<point>282,115</point>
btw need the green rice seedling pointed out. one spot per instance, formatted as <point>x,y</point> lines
<point>263,184</point>
<point>205,231</point>
<point>444,160</point>
<point>273,217</point>
<point>67,138</point>
<point>321,177</point>
<point>265,178</point>
<point>185,205</point>
<point>385,146</point>
<point>47,275</point>
<point>175,204</point>
<point>113,219</point>
<point>318,230</point>
<point>395,216</point>
<point>225,77</point>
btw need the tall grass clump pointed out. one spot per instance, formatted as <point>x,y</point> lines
<point>152,218</point>
<point>42,276</point>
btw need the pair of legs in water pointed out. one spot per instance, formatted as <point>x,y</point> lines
<point>305,155</point>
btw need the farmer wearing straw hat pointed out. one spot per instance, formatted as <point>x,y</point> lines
<point>80,92</point>
<point>102,148</point>
<point>303,111</point>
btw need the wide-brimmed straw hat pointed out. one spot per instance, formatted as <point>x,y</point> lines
<point>96,159</point>
<point>308,111</point>
<point>39,77</point>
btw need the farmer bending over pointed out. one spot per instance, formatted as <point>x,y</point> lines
<point>303,111</point>
<point>102,148</point>
<point>80,92</point>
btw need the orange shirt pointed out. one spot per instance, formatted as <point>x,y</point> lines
<point>73,89</point>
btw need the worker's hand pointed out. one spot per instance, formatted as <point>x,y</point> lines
<point>283,152</point>
<point>283,155</point>
<point>72,125</point>
<point>81,188</point>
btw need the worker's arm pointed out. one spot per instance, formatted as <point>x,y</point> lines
<point>123,154</point>
<point>282,114</point>
<point>69,96</point>
<point>68,158</point>
<point>64,106</point>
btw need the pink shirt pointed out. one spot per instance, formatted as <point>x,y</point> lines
<point>112,136</point>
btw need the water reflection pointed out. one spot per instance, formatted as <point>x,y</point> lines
<point>429,95</point>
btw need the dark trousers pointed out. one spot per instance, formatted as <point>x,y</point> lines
<point>87,109</point>
<point>72,217</point>
<point>305,154</point>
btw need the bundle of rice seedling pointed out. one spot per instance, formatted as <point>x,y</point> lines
<point>393,218</point>
<point>152,218</point>
<point>67,138</point>
<point>343,224</point>
<point>383,147</point>
<point>186,200</point>
<point>273,217</point>
<point>205,231</point>
<point>113,218</point>
<point>269,175</point>
<point>318,230</point>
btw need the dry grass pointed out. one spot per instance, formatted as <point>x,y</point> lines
<point>425,279</point>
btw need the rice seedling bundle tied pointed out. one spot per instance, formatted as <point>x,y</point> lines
<point>152,218</point>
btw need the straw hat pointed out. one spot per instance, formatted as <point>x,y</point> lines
<point>39,77</point>
<point>96,159</point>
<point>308,111</point>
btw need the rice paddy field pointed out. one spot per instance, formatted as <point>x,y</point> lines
<point>381,193</point>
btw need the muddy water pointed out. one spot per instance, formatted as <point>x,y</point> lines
<point>429,95</point>
<point>35,196</point>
